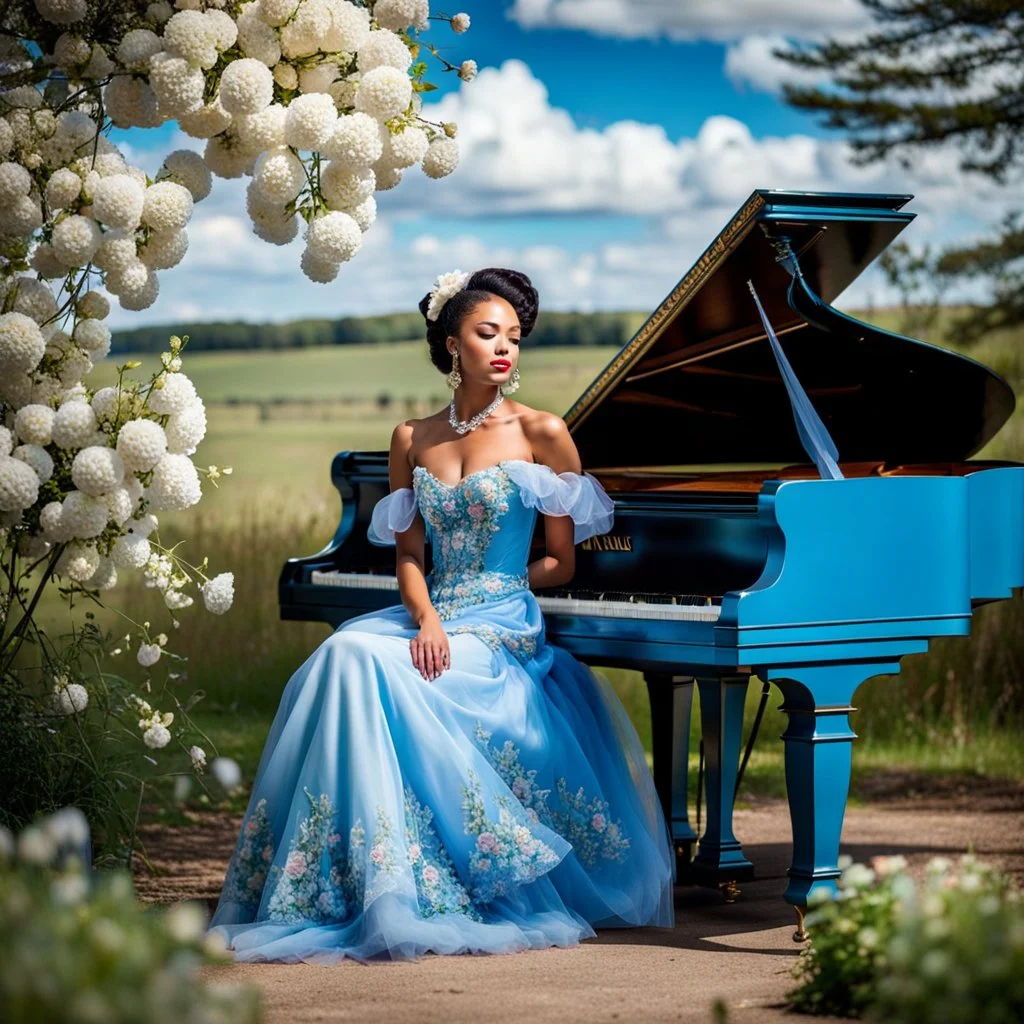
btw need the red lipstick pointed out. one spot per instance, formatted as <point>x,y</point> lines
<point>500,364</point>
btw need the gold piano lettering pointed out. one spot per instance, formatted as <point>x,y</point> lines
<point>606,542</point>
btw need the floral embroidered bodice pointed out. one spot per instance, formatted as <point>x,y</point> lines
<point>480,531</point>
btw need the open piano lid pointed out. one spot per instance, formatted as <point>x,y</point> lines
<point>698,384</point>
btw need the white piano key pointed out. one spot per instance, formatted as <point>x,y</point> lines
<point>554,605</point>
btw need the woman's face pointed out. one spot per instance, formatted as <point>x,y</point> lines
<point>488,345</point>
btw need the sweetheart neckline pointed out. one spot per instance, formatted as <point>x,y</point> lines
<point>476,472</point>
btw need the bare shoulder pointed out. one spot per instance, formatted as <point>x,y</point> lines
<point>550,439</point>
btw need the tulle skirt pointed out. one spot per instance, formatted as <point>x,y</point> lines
<point>505,805</point>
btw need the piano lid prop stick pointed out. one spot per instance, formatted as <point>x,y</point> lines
<point>814,436</point>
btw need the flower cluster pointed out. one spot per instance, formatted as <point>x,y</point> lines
<point>153,724</point>
<point>319,102</point>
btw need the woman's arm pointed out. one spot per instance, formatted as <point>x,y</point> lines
<point>429,649</point>
<point>553,445</point>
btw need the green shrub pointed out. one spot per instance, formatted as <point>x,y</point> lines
<point>947,951</point>
<point>77,946</point>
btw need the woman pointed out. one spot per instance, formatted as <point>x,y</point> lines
<point>438,778</point>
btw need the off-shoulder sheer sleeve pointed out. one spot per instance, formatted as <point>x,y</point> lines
<point>393,513</point>
<point>578,495</point>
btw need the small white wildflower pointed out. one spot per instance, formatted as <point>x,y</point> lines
<point>198,756</point>
<point>460,23</point>
<point>218,593</point>
<point>156,736</point>
<point>69,698</point>
<point>467,70</point>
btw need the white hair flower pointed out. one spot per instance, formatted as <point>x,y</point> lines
<point>444,288</point>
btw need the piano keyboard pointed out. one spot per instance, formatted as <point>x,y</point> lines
<point>686,607</point>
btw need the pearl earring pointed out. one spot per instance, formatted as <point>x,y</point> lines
<point>454,378</point>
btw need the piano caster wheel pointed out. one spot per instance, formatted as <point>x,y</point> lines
<point>730,890</point>
<point>801,934</point>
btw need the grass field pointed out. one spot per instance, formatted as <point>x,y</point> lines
<point>278,418</point>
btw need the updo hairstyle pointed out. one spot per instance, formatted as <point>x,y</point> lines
<point>510,285</point>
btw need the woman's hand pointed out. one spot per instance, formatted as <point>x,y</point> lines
<point>429,648</point>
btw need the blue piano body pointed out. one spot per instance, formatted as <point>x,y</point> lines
<point>811,584</point>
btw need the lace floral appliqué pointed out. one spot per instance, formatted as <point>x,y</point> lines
<point>250,865</point>
<point>584,823</point>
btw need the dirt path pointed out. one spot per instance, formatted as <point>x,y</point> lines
<point>739,952</point>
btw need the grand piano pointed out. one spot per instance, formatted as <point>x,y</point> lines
<point>733,553</point>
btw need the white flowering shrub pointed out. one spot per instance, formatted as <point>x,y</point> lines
<point>291,93</point>
<point>78,945</point>
<point>887,948</point>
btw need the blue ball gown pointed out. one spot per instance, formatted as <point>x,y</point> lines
<point>505,805</point>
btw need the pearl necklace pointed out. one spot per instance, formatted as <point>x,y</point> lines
<point>464,426</point>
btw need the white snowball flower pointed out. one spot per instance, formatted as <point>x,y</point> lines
<point>106,401</point>
<point>84,515</point>
<point>270,221</point>
<point>141,444</point>
<point>62,12</point>
<point>37,458</point>
<point>148,654</point>
<point>33,424</point>
<point>343,91</point>
<point>301,35</point>
<point>177,393</point>
<point>178,84</point>
<point>93,305</point>
<point>405,148</point>
<point>69,698</point>
<point>156,736</point>
<point>130,551</point>
<point>144,525</point>
<point>467,70</point>
<point>167,206</point>
<point>285,75</point>
<point>275,12</point>
<point>75,239</point>
<point>75,365</point>
<point>246,86</point>
<point>188,169</point>
<point>383,48</point>
<point>117,201</point>
<point>35,299</point>
<point>400,14</point>
<point>333,237</point>
<point>226,156</point>
<point>50,522</point>
<point>21,343</point>
<point>318,78</point>
<point>96,470</point>
<point>350,26</point>
<point>121,505</point>
<point>63,188</point>
<point>384,93</point>
<point>19,485</point>
<point>256,38</point>
<point>387,176</point>
<point>460,23</point>
<point>15,182</point>
<point>356,141</point>
<point>105,576</point>
<point>218,593</point>
<point>73,424</point>
<point>262,131</point>
<point>137,291</point>
<point>223,26</point>
<point>198,756</point>
<point>136,47</point>
<point>193,37</point>
<point>206,121</point>
<point>117,250</point>
<point>79,561</point>
<point>310,121</point>
<point>279,174</point>
<point>131,103</point>
<point>106,164</point>
<point>442,157</point>
<point>6,138</point>
<point>164,249</point>
<point>158,12</point>
<point>6,440</point>
<point>186,429</point>
<point>365,213</point>
<point>93,337</point>
<point>342,188</point>
<point>175,485</point>
<point>21,216</point>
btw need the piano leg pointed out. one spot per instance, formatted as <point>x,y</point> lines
<point>671,698</point>
<point>720,860</point>
<point>818,750</point>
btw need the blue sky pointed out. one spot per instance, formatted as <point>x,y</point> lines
<point>603,145</point>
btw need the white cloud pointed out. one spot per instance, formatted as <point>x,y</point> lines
<point>690,19</point>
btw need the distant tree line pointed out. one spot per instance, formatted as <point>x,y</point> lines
<point>551,329</point>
